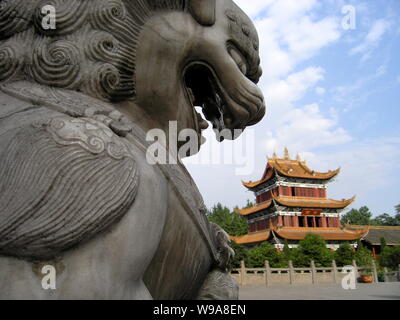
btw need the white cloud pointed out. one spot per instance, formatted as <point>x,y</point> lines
<point>356,93</point>
<point>283,93</point>
<point>372,39</point>
<point>306,37</point>
<point>253,7</point>
<point>304,129</point>
<point>320,91</point>
<point>366,166</point>
<point>289,34</point>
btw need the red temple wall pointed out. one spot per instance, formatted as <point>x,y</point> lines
<point>323,222</point>
<point>259,225</point>
<point>287,221</point>
<point>263,197</point>
<point>294,221</point>
<point>333,222</point>
<point>308,192</point>
<point>292,192</point>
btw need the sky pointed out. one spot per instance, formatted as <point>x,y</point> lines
<point>332,86</point>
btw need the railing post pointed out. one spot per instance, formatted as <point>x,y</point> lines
<point>267,272</point>
<point>334,271</point>
<point>398,274</point>
<point>385,277</point>
<point>313,272</point>
<point>375,272</point>
<point>355,268</point>
<point>242,273</point>
<point>291,272</point>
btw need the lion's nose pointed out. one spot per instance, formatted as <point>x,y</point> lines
<point>255,78</point>
<point>260,72</point>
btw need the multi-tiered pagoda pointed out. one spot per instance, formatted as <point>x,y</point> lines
<point>291,201</point>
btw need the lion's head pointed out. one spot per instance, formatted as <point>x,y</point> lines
<point>161,56</point>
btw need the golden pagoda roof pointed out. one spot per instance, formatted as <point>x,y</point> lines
<point>297,202</point>
<point>255,208</point>
<point>290,168</point>
<point>252,184</point>
<point>313,202</point>
<point>252,237</point>
<point>299,233</point>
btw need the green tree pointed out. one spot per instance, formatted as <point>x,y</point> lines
<point>256,256</point>
<point>390,257</point>
<point>249,204</point>
<point>361,216</point>
<point>386,220</point>
<point>231,222</point>
<point>363,256</point>
<point>240,254</point>
<point>344,255</point>
<point>397,216</point>
<point>298,258</point>
<point>312,247</point>
<point>383,244</point>
<point>239,225</point>
<point>286,249</point>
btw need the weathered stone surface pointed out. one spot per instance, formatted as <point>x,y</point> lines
<point>219,286</point>
<point>76,189</point>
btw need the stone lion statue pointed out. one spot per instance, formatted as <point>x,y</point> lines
<point>76,190</point>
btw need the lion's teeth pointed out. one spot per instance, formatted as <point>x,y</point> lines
<point>228,120</point>
<point>203,124</point>
<point>191,96</point>
<point>198,109</point>
<point>218,100</point>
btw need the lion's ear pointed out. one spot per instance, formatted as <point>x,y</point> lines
<point>203,11</point>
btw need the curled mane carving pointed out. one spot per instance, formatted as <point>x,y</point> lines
<point>92,49</point>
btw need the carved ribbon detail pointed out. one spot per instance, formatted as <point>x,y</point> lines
<point>90,134</point>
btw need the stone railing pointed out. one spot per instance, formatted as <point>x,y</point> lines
<point>391,276</point>
<point>292,276</point>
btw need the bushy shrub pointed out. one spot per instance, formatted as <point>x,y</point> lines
<point>390,257</point>
<point>240,254</point>
<point>312,247</point>
<point>363,257</point>
<point>231,222</point>
<point>344,255</point>
<point>256,256</point>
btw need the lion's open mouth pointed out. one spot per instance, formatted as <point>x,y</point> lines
<point>205,91</point>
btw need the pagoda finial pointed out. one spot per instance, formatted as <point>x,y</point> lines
<point>274,156</point>
<point>298,158</point>
<point>286,152</point>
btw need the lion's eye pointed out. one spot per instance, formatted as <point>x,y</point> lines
<point>239,59</point>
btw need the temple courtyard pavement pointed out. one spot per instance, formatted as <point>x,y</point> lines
<point>377,291</point>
